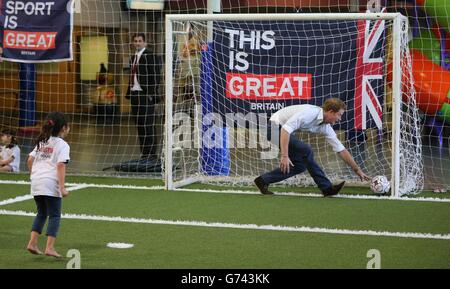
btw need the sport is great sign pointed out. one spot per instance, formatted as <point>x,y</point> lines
<point>36,31</point>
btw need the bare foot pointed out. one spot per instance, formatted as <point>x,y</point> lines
<point>34,250</point>
<point>52,253</point>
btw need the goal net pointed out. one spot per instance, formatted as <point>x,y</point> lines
<point>227,74</point>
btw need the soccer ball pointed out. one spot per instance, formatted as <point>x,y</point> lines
<point>380,185</point>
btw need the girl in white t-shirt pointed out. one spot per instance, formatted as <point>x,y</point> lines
<point>9,151</point>
<point>47,164</point>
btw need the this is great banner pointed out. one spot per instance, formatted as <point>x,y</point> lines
<point>36,31</point>
<point>261,67</point>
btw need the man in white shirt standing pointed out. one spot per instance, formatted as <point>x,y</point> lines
<point>143,94</point>
<point>297,156</point>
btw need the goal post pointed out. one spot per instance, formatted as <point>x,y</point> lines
<point>220,94</point>
<point>396,104</point>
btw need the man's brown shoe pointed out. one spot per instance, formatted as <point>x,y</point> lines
<point>262,186</point>
<point>334,190</point>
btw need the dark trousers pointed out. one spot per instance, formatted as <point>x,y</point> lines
<point>47,207</point>
<point>302,156</point>
<point>143,109</point>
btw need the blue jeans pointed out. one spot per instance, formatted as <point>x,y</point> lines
<point>47,207</point>
<point>302,157</point>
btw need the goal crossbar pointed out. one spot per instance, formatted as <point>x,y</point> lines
<point>283,16</point>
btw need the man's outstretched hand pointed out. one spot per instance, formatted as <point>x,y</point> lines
<point>363,176</point>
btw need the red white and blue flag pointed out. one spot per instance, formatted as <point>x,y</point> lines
<point>369,71</point>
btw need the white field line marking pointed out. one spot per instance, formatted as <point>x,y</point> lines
<point>16,200</point>
<point>76,187</point>
<point>249,192</point>
<point>315,195</point>
<point>120,245</point>
<point>29,196</point>
<point>8,182</point>
<point>302,229</point>
<point>86,185</point>
<point>131,187</point>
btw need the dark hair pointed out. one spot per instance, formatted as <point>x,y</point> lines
<point>12,133</point>
<point>140,34</point>
<point>53,124</point>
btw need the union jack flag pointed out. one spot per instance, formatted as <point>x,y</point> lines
<point>369,70</point>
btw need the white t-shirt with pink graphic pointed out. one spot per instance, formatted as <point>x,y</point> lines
<point>44,180</point>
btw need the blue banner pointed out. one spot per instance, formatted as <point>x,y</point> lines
<point>36,30</point>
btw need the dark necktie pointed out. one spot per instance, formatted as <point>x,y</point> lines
<point>133,70</point>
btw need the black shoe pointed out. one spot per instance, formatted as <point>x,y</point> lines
<point>334,190</point>
<point>262,186</point>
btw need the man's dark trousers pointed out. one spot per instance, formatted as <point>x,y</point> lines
<point>143,109</point>
<point>302,156</point>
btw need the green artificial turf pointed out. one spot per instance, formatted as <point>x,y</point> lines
<point>181,246</point>
<point>8,191</point>
<point>161,246</point>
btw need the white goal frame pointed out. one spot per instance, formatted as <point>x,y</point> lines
<point>400,27</point>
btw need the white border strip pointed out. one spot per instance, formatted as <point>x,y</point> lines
<point>315,195</point>
<point>302,229</point>
<point>249,192</point>
<point>76,187</point>
<point>29,196</point>
<point>86,185</point>
<point>8,182</point>
<point>130,187</point>
<point>16,200</point>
